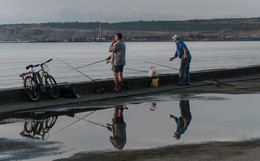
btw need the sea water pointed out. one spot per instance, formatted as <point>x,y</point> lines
<point>205,55</point>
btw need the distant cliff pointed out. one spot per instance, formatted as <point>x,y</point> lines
<point>214,29</point>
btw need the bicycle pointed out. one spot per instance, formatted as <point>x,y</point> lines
<point>33,81</point>
<point>38,129</point>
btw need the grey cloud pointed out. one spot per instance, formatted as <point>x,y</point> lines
<point>30,11</point>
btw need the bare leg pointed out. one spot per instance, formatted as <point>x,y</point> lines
<point>116,111</point>
<point>120,112</point>
<point>120,76</point>
<point>121,79</point>
<point>116,81</point>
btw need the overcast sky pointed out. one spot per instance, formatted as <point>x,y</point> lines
<point>34,11</point>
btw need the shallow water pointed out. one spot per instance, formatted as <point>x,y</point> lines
<point>205,55</point>
<point>215,117</point>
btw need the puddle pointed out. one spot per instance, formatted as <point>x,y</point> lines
<point>59,133</point>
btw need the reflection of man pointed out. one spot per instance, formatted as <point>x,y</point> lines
<point>118,128</point>
<point>184,121</point>
<point>153,106</point>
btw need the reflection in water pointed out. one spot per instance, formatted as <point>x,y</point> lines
<point>153,106</point>
<point>182,122</point>
<point>39,129</point>
<point>118,128</point>
<point>42,122</point>
<point>87,130</point>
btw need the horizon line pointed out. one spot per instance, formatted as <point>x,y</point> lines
<point>195,19</point>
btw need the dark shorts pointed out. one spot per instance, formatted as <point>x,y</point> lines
<point>117,69</point>
<point>118,120</point>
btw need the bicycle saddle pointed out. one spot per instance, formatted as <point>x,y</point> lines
<point>28,66</point>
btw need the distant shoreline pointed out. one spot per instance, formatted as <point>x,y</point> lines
<point>125,41</point>
<point>192,30</point>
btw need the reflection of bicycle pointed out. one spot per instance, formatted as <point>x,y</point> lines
<point>33,81</point>
<point>33,129</point>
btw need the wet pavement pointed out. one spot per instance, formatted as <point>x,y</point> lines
<point>141,122</point>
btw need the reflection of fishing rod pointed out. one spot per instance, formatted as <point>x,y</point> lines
<point>161,65</point>
<point>75,122</point>
<point>102,88</point>
<point>218,83</point>
<point>96,123</point>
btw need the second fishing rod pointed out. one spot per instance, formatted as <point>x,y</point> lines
<point>98,84</point>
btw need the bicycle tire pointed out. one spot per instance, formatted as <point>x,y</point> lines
<point>31,88</point>
<point>51,86</point>
<point>28,126</point>
<point>50,121</point>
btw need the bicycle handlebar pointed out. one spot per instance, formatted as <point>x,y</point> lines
<point>31,66</point>
<point>47,61</point>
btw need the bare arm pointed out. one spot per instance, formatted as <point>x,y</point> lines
<point>185,122</point>
<point>110,50</point>
<point>172,116</point>
<point>172,58</point>
<point>185,53</point>
<point>109,128</point>
<point>109,57</point>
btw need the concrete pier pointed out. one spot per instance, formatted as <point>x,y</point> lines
<point>16,98</point>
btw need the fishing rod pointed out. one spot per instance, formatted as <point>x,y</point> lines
<point>91,64</point>
<point>84,66</point>
<point>161,65</point>
<point>75,122</point>
<point>132,69</point>
<point>136,70</point>
<point>82,73</point>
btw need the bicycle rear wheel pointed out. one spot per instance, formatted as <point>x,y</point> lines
<point>51,86</point>
<point>31,89</point>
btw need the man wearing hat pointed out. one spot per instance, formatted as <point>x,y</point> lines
<point>184,54</point>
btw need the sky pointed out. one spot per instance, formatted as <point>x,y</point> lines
<point>37,11</point>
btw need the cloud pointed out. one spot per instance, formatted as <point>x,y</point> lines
<point>30,11</point>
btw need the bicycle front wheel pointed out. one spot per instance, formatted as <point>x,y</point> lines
<point>31,88</point>
<point>51,86</point>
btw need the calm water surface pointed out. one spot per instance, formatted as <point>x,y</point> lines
<point>215,117</point>
<point>205,55</point>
